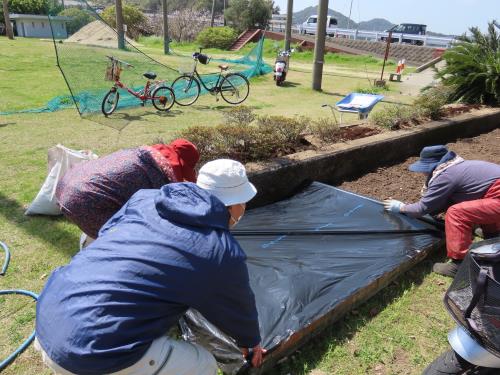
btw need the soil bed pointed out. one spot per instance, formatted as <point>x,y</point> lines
<point>399,183</point>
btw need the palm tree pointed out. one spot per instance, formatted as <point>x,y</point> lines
<point>473,67</point>
<point>8,26</point>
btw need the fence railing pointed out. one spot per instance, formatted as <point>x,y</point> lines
<point>426,40</point>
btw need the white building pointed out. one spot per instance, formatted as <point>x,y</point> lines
<point>38,26</point>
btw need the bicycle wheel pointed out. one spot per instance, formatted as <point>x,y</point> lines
<point>234,88</point>
<point>163,98</point>
<point>186,90</point>
<point>110,102</point>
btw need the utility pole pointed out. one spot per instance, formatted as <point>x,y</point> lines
<point>119,24</point>
<point>319,45</point>
<point>288,30</point>
<point>8,25</point>
<point>213,14</point>
<point>166,38</point>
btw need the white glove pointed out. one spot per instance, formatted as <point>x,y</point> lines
<point>393,205</point>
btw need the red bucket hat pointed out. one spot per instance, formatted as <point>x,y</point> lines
<point>182,156</point>
<point>188,157</point>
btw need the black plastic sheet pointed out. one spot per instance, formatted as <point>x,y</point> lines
<point>318,248</point>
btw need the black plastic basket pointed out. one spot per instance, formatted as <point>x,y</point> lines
<point>473,298</point>
<point>204,59</point>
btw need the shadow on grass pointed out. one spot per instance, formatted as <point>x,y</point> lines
<point>310,355</point>
<point>6,123</point>
<point>47,229</point>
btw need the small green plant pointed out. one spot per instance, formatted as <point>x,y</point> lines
<point>217,37</point>
<point>240,115</point>
<point>432,100</point>
<point>325,128</point>
<point>396,117</point>
<point>371,90</point>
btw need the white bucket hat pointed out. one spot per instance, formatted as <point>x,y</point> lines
<point>227,180</point>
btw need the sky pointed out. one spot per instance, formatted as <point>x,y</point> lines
<point>442,16</point>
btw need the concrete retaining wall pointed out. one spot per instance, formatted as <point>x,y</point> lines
<point>282,177</point>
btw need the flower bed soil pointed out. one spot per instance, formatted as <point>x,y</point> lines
<point>399,183</point>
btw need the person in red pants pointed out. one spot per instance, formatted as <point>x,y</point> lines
<point>469,192</point>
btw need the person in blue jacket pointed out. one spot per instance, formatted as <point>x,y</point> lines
<point>109,310</point>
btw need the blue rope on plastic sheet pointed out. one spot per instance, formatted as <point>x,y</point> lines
<point>7,258</point>
<point>30,339</point>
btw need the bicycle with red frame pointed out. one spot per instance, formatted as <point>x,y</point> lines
<point>161,96</point>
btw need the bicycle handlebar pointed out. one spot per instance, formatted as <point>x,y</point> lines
<point>120,61</point>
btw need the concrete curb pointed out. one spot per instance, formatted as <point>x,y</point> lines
<point>282,177</point>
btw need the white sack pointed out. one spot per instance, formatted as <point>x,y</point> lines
<point>60,160</point>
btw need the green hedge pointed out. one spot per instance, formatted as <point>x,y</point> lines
<point>217,37</point>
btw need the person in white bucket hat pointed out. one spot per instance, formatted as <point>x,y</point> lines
<point>228,181</point>
<point>167,250</point>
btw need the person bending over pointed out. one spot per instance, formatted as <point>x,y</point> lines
<point>109,310</point>
<point>469,192</point>
<point>91,192</point>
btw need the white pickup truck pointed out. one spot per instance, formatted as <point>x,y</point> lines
<point>311,24</point>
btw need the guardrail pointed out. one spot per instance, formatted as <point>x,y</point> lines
<point>426,40</point>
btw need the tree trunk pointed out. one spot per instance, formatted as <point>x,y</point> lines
<point>319,45</point>
<point>166,38</point>
<point>213,14</point>
<point>119,24</point>
<point>8,26</point>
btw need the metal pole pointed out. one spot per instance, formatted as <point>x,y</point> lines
<point>166,38</point>
<point>8,25</point>
<point>387,47</point>
<point>288,30</point>
<point>119,24</point>
<point>319,45</point>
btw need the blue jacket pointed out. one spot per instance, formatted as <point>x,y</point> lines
<point>165,251</point>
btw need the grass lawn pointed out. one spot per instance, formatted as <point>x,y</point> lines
<point>399,331</point>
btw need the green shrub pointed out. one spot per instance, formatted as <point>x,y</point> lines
<point>240,115</point>
<point>79,18</point>
<point>269,137</point>
<point>396,117</point>
<point>325,128</point>
<point>473,67</point>
<point>432,100</point>
<point>285,130</point>
<point>217,37</point>
<point>132,17</point>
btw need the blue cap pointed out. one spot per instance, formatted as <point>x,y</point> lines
<point>429,159</point>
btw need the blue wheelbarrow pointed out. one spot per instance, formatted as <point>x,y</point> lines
<point>355,102</point>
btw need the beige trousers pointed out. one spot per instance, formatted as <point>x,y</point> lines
<point>165,357</point>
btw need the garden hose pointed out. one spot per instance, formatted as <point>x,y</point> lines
<point>29,340</point>
<point>7,258</point>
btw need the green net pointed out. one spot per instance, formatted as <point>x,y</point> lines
<point>84,63</point>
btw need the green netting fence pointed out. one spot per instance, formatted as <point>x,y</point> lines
<point>82,59</point>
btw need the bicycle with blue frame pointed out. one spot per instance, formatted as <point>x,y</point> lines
<point>233,87</point>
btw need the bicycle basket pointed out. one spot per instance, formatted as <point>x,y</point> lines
<point>473,298</point>
<point>204,59</point>
<point>113,71</point>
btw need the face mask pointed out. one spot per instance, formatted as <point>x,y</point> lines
<point>235,221</point>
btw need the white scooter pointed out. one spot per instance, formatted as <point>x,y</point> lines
<point>281,66</point>
<point>473,301</point>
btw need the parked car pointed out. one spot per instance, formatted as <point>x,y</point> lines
<point>311,24</point>
<point>408,29</point>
